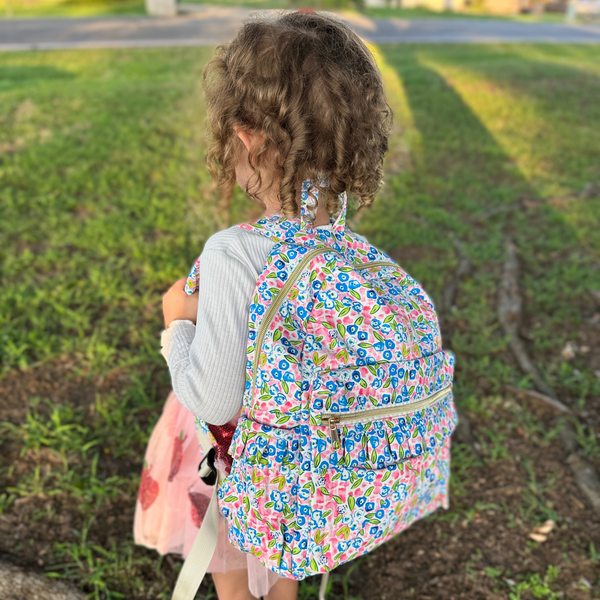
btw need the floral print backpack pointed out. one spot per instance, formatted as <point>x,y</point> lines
<point>344,436</point>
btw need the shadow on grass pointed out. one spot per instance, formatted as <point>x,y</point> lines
<point>560,84</point>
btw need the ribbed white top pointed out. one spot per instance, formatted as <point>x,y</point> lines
<point>207,361</point>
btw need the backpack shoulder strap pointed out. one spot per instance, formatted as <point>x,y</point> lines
<point>195,565</point>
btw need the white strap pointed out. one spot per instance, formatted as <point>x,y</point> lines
<point>195,565</point>
<point>323,586</point>
<point>203,440</point>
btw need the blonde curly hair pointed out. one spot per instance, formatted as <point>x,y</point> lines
<point>312,87</point>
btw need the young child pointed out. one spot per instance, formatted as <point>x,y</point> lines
<point>297,116</point>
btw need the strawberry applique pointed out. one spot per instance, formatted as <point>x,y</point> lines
<point>199,505</point>
<point>148,488</point>
<point>177,455</point>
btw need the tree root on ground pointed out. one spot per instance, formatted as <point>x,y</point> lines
<point>586,478</point>
<point>463,432</point>
<point>556,404</point>
<point>509,315</point>
<point>462,270</point>
<point>499,210</point>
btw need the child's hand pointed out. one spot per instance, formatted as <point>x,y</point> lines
<point>177,305</point>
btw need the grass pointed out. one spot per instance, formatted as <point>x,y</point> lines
<point>92,8</point>
<point>104,201</point>
<point>70,8</point>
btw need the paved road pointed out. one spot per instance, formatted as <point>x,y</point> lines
<point>207,25</point>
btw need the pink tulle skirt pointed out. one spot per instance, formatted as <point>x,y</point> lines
<point>172,499</point>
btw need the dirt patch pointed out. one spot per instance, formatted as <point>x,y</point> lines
<point>32,525</point>
<point>59,382</point>
<point>479,550</point>
<point>487,553</point>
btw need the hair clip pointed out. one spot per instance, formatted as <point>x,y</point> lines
<point>322,181</point>
<point>309,203</point>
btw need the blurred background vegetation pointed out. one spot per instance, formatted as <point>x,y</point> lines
<point>525,10</point>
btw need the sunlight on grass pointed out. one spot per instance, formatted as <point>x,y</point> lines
<point>105,200</point>
<point>517,112</point>
<point>499,110</point>
<point>573,57</point>
<point>70,8</point>
<point>405,142</point>
<point>89,8</point>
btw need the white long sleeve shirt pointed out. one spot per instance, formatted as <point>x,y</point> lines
<point>207,361</point>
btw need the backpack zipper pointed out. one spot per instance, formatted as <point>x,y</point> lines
<point>272,310</point>
<point>375,263</point>
<point>333,420</point>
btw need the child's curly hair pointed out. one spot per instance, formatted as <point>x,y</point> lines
<point>312,87</point>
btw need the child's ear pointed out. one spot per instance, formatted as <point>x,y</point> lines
<point>244,135</point>
<point>249,135</point>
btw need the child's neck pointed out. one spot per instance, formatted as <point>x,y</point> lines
<point>272,205</point>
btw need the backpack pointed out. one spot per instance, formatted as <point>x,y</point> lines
<point>344,436</point>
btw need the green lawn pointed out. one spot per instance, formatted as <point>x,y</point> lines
<point>70,8</point>
<point>90,8</point>
<point>105,200</point>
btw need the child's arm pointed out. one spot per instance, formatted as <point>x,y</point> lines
<point>208,361</point>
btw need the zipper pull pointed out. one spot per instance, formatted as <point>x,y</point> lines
<point>333,432</point>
